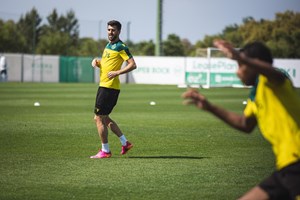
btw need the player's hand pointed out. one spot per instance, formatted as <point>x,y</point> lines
<point>112,74</point>
<point>95,62</point>
<point>193,97</point>
<point>227,49</point>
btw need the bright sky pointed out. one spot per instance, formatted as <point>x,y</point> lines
<point>191,19</point>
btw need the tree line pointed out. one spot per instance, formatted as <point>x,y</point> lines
<point>60,36</point>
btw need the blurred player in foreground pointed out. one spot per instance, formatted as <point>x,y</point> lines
<point>114,54</point>
<point>274,106</point>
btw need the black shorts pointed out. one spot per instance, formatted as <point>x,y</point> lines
<point>3,71</point>
<point>283,184</point>
<point>106,100</point>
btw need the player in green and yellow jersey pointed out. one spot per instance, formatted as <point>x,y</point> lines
<point>114,54</point>
<point>273,105</point>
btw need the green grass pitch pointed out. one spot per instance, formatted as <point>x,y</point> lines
<point>179,152</point>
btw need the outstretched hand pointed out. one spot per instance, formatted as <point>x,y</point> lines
<point>227,49</point>
<point>193,97</point>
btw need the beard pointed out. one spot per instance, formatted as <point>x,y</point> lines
<point>112,38</point>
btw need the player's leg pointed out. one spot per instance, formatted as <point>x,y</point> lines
<point>113,99</point>
<point>279,185</point>
<point>290,178</point>
<point>100,121</point>
<point>126,145</point>
<point>2,76</point>
<point>104,152</point>
<point>113,126</point>
<point>101,114</point>
<point>255,193</point>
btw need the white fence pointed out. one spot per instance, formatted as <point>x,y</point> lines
<point>28,68</point>
<point>214,72</point>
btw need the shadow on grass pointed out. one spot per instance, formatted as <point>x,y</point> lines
<point>168,157</point>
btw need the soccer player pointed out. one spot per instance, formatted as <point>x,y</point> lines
<point>3,71</point>
<point>274,106</point>
<point>114,54</point>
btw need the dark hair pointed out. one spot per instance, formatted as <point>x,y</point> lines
<point>115,23</point>
<point>258,50</point>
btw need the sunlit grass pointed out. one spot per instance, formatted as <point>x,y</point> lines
<point>179,152</point>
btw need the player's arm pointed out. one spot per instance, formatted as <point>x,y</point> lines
<point>131,65</point>
<point>96,62</point>
<point>235,120</point>
<point>264,68</point>
<point>260,66</point>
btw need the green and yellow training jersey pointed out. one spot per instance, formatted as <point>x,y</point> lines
<point>277,110</point>
<point>112,59</point>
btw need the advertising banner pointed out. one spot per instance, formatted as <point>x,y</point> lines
<point>211,72</point>
<point>159,70</point>
<point>292,67</point>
